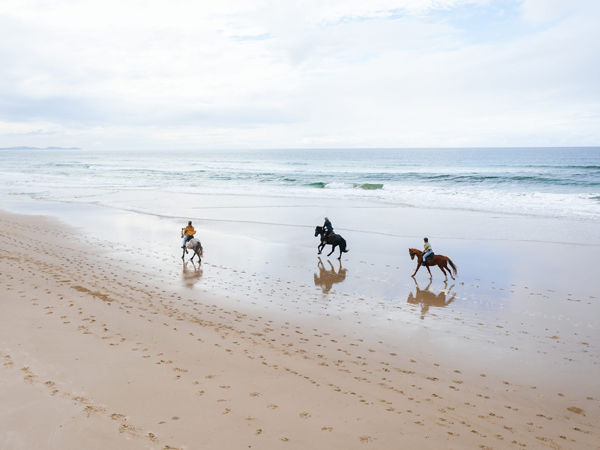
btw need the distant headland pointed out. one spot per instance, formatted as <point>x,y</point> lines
<point>37,148</point>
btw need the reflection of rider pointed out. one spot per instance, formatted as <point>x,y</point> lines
<point>327,278</point>
<point>427,299</point>
<point>327,227</point>
<point>188,232</point>
<point>428,250</point>
<point>191,277</point>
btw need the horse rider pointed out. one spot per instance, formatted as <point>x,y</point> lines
<point>188,232</point>
<point>327,227</point>
<point>428,251</point>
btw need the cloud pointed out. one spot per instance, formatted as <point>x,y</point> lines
<point>540,11</point>
<point>301,73</point>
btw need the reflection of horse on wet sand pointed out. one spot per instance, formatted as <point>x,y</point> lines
<point>191,276</point>
<point>327,278</point>
<point>427,299</point>
<point>438,260</point>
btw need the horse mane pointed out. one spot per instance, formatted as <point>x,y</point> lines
<point>415,251</point>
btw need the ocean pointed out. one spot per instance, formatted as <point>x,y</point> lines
<point>545,182</point>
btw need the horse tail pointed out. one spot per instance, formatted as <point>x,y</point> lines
<point>343,245</point>
<point>451,265</point>
<point>199,248</point>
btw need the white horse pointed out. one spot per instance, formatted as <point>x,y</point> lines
<point>194,245</point>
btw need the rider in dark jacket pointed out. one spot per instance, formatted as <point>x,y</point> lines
<point>327,227</point>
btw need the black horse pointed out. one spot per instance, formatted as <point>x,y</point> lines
<point>333,239</point>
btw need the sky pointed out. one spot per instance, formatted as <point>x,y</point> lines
<point>182,74</point>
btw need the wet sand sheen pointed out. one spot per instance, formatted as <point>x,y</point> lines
<point>142,352</point>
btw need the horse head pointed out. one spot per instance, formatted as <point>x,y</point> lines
<point>318,231</point>
<point>413,252</point>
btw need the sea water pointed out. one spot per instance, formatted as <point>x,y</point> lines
<point>545,182</point>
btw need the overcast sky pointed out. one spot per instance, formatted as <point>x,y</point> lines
<point>128,74</point>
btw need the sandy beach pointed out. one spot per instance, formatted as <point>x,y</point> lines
<point>109,341</point>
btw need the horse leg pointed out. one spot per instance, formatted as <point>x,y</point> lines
<point>430,276</point>
<point>443,271</point>
<point>449,271</point>
<point>320,247</point>
<point>332,249</point>
<point>183,254</point>
<point>416,270</point>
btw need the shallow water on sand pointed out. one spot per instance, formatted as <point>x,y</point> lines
<point>526,304</point>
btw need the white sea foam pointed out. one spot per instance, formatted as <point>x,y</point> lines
<point>546,183</point>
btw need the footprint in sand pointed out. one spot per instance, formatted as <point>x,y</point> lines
<point>305,415</point>
<point>576,410</point>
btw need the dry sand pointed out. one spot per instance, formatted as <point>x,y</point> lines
<point>100,349</point>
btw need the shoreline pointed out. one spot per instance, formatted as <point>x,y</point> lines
<point>382,219</point>
<point>366,354</point>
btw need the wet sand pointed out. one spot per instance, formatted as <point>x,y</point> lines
<point>110,341</point>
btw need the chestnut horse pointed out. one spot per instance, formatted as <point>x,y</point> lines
<point>438,260</point>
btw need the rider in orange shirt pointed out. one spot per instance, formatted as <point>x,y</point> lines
<point>188,232</point>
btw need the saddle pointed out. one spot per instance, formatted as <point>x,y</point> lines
<point>429,258</point>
